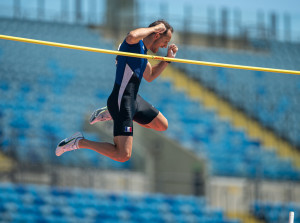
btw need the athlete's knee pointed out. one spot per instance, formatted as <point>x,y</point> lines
<point>159,125</point>
<point>164,125</point>
<point>123,148</point>
<point>160,122</point>
<point>122,155</point>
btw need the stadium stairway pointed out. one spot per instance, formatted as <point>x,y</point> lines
<point>238,119</point>
<point>6,163</point>
<point>244,217</point>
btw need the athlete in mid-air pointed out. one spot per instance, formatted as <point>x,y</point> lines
<point>124,104</point>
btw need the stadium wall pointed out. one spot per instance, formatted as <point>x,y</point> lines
<point>111,180</point>
<point>236,195</point>
<point>174,169</point>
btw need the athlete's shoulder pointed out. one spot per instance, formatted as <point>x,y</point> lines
<point>133,45</point>
<point>135,48</point>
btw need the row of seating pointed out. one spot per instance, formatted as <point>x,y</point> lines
<point>269,97</point>
<point>46,92</point>
<point>229,151</point>
<point>37,203</point>
<point>275,212</point>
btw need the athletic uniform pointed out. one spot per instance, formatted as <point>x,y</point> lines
<point>124,103</point>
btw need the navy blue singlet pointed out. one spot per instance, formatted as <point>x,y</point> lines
<point>124,103</point>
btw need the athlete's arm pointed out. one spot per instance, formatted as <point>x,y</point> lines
<point>152,73</point>
<point>136,35</point>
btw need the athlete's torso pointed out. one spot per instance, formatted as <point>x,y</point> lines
<point>137,65</point>
<point>129,73</point>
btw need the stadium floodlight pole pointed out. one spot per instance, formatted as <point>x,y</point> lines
<point>120,53</point>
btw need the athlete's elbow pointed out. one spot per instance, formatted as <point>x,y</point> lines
<point>131,38</point>
<point>148,78</point>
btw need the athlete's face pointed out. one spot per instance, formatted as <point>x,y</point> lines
<point>161,41</point>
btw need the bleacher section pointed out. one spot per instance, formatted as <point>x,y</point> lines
<point>229,151</point>
<point>268,97</point>
<point>275,212</point>
<point>46,92</point>
<point>43,204</point>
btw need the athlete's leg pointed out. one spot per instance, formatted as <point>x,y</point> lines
<point>148,116</point>
<point>159,123</point>
<point>120,151</point>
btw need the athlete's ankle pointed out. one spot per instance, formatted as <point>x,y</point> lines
<point>80,143</point>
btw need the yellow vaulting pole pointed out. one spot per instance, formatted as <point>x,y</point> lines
<point>97,50</point>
